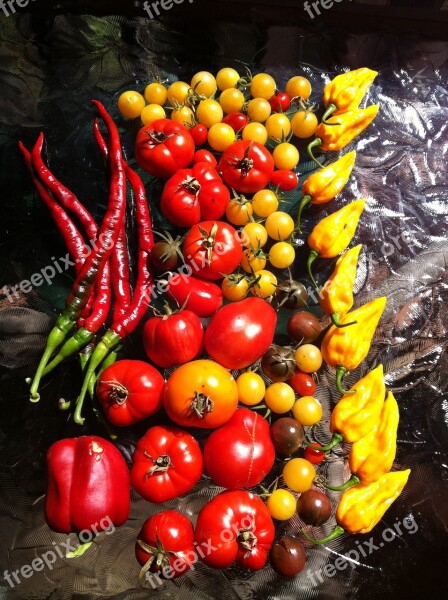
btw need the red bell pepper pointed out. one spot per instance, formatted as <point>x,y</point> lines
<point>88,485</point>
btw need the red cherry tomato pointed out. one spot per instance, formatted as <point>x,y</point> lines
<point>173,339</point>
<point>280,102</point>
<point>163,147</point>
<point>237,121</point>
<point>198,295</point>
<point>205,156</point>
<point>199,133</point>
<point>130,391</point>
<point>285,180</point>
<point>246,166</point>
<point>302,383</point>
<point>314,456</point>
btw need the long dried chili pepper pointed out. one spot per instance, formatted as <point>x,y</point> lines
<point>107,237</point>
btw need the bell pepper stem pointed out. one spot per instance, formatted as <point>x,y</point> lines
<point>354,480</point>
<point>336,317</point>
<point>78,341</point>
<point>304,202</point>
<point>340,372</point>
<point>79,550</point>
<point>311,258</point>
<point>327,114</point>
<point>311,146</point>
<point>337,531</point>
<point>335,440</point>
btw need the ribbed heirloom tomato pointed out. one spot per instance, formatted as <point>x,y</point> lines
<point>246,166</point>
<point>200,393</point>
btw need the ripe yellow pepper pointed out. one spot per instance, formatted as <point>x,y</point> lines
<point>336,296</point>
<point>323,185</point>
<point>346,91</point>
<point>344,348</point>
<point>333,234</point>
<point>373,455</point>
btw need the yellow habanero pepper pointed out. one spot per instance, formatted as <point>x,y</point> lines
<point>361,507</point>
<point>373,455</point>
<point>336,296</point>
<point>325,184</point>
<point>345,348</point>
<point>333,234</point>
<point>346,91</point>
<point>340,130</point>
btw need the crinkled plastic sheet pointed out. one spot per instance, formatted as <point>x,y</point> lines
<point>48,78</point>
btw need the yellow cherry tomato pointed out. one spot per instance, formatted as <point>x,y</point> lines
<point>279,225</point>
<point>304,124</point>
<point>227,78</point>
<point>307,411</point>
<point>235,288</point>
<point>183,115</point>
<point>156,93</point>
<point>279,397</point>
<point>178,92</point>
<point>256,132</point>
<point>278,126</point>
<point>253,261</point>
<point>299,474</point>
<point>239,212</point>
<point>258,110</point>
<point>286,156</point>
<point>220,136</point>
<point>209,112</point>
<point>204,84</point>
<point>298,87</point>
<point>254,235</point>
<point>308,358</point>
<point>263,86</point>
<point>264,203</point>
<point>265,286</point>
<point>251,388</point>
<point>282,255</point>
<point>231,100</point>
<point>151,113</point>
<point>131,104</point>
<point>282,505</point>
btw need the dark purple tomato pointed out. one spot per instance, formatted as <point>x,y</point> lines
<point>303,327</point>
<point>278,363</point>
<point>291,294</point>
<point>287,435</point>
<point>288,556</point>
<point>313,507</point>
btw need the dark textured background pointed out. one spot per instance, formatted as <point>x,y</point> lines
<point>53,61</point>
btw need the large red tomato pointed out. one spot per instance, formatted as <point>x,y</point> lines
<point>235,526</point>
<point>173,339</point>
<point>167,462</point>
<point>195,194</point>
<point>211,249</point>
<point>246,166</point>
<point>240,453</point>
<point>163,147</point>
<point>130,391</point>
<point>240,333</point>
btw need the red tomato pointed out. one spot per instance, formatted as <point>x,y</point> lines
<point>200,296</point>
<point>241,332</point>
<point>285,180</point>
<point>163,147</point>
<point>212,248</point>
<point>237,526</point>
<point>246,166</point>
<point>249,455</point>
<point>237,121</point>
<point>199,133</point>
<point>280,102</point>
<point>314,456</point>
<point>167,463</point>
<point>165,545</point>
<point>192,195</point>
<point>205,156</point>
<point>302,383</point>
<point>130,391</point>
<point>173,339</point>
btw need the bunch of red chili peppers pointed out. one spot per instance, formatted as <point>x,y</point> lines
<point>88,304</point>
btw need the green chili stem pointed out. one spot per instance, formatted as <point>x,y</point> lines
<point>304,202</point>
<point>340,372</point>
<point>314,144</point>
<point>337,531</point>
<point>79,550</point>
<point>354,480</point>
<point>79,340</point>
<point>330,110</point>
<point>311,258</point>
<point>336,317</point>
<point>335,440</point>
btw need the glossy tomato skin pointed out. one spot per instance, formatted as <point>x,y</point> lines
<point>173,339</point>
<point>167,463</point>
<point>223,521</point>
<point>246,166</point>
<point>302,383</point>
<point>202,297</point>
<point>195,194</point>
<point>130,391</point>
<point>199,134</point>
<point>280,102</point>
<point>200,393</point>
<point>240,332</point>
<point>237,121</point>
<point>163,147</point>
<point>205,156</point>
<point>218,239</point>
<point>285,180</point>
<point>175,532</point>
<point>249,452</point>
